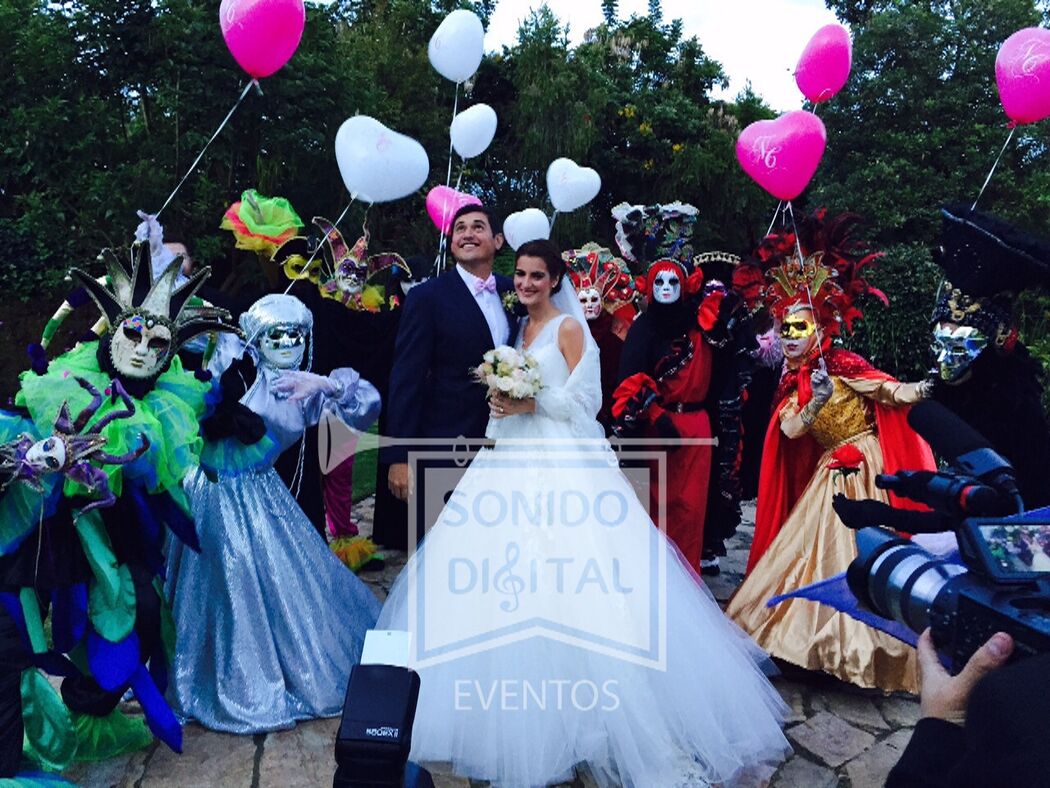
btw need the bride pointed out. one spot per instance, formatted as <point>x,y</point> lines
<point>552,624</point>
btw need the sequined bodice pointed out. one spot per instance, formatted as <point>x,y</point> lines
<point>846,415</point>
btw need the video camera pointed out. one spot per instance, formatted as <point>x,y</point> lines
<point>1003,581</point>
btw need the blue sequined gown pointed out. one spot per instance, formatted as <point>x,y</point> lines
<point>268,620</point>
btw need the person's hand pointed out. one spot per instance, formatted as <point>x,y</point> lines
<point>823,388</point>
<point>945,697</point>
<point>501,405</point>
<point>399,481</point>
<point>150,230</point>
<point>297,386</point>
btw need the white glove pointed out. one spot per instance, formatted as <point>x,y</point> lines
<point>823,388</point>
<point>150,230</point>
<point>297,386</point>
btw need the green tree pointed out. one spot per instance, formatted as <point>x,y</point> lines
<point>917,126</point>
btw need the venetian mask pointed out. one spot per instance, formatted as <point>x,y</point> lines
<point>667,287</point>
<point>798,334</point>
<point>591,301</point>
<point>283,347</point>
<point>140,346</point>
<point>48,455</point>
<point>955,349</point>
<point>350,276</point>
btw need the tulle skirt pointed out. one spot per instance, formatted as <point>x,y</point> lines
<point>268,620</point>
<point>547,637</point>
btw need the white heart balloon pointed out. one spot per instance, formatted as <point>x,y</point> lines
<point>473,129</point>
<point>524,226</point>
<point>456,48</point>
<point>571,186</point>
<point>377,163</point>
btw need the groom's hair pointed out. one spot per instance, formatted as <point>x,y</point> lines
<point>494,221</point>
<point>550,256</point>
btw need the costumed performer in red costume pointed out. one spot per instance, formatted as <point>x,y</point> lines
<point>667,362</point>
<point>606,292</point>
<point>837,423</point>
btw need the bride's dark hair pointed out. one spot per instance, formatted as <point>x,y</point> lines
<point>550,256</point>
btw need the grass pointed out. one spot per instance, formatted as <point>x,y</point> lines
<point>365,472</point>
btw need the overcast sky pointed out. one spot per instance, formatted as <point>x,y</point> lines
<point>757,40</point>
<point>760,40</point>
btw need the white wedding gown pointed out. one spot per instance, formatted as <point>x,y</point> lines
<point>548,636</point>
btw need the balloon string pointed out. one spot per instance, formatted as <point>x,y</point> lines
<point>991,172</point>
<point>440,262</point>
<point>455,111</point>
<point>313,255</point>
<point>554,217</point>
<point>207,145</point>
<point>776,213</point>
<point>809,293</point>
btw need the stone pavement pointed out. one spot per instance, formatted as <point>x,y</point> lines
<point>843,736</point>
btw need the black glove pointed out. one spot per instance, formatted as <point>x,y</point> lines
<point>231,419</point>
<point>867,513</point>
<point>665,428</point>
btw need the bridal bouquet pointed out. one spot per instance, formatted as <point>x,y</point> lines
<point>506,370</point>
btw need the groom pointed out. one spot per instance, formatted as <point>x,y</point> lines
<point>447,325</point>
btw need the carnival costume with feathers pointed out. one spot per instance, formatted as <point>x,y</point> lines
<point>862,427</point>
<point>285,620</point>
<point>667,362</point>
<point>344,273</point>
<point>89,542</point>
<point>606,291</point>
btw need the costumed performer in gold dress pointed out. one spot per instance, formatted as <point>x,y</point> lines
<point>837,423</point>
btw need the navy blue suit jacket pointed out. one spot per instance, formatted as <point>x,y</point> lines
<point>441,336</point>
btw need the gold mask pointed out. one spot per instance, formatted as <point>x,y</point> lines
<point>794,328</point>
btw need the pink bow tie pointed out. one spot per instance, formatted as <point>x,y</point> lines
<point>483,285</point>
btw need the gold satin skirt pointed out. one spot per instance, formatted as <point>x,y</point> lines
<point>814,545</point>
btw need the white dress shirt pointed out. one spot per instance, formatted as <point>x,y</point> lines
<point>491,307</point>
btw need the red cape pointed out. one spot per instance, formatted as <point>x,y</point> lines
<point>782,478</point>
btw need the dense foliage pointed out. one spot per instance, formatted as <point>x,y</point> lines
<point>107,103</point>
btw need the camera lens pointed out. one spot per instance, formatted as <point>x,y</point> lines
<point>897,579</point>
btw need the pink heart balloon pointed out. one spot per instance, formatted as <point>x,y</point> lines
<point>1022,72</point>
<point>442,204</point>
<point>825,63</point>
<point>781,155</point>
<point>262,35</point>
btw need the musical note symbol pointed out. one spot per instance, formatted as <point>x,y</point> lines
<point>508,583</point>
